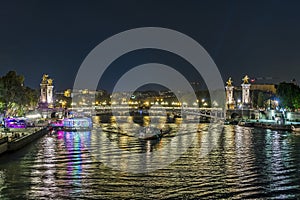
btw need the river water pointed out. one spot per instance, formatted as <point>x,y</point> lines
<point>242,163</point>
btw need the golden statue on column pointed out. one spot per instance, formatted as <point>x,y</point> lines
<point>46,98</point>
<point>246,79</point>
<point>229,94</point>
<point>246,92</point>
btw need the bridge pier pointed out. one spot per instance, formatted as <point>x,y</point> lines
<point>242,114</point>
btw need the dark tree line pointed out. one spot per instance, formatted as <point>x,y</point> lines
<point>15,98</point>
<point>289,95</point>
<point>259,98</point>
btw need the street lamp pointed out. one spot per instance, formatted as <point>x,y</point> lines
<point>239,103</point>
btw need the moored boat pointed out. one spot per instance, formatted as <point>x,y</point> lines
<point>246,124</point>
<point>77,124</point>
<point>150,133</point>
<point>58,124</point>
<point>116,130</point>
<point>295,128</point>
<point>72,124</point>
<point>15,123</point>
<point>278,127</point>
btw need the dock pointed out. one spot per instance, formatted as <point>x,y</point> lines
<point>13,141</point>
<point>3,144</point>
<point>269,124</point>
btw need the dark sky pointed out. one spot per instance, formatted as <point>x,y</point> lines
<point>258,38</point>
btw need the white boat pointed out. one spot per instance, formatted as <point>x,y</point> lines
<point>295,129</point>
<point>150,133</point>
<point>77,124</point>
<point>147,133</point>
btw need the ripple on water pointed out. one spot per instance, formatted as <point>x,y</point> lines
<point>244,163</point>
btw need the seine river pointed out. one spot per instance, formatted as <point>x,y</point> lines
<point>242,163</point>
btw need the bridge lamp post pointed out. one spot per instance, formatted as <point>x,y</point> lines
<point>276,103</point>
<point>239,103</point>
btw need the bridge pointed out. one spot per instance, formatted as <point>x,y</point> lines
<point>215,113</point>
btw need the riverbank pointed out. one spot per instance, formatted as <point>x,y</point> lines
<point>269,124</point>
<point>12,141</point>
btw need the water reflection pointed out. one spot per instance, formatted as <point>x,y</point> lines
<point>140,156</point>
<point>242,163</point>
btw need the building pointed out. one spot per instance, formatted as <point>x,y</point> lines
<point>264,88</point>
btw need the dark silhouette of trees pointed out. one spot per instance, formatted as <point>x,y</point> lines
<point>15,98</point>
<point>289,95</point>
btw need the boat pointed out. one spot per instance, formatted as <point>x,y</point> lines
<point>246,123</point>
<point>72,124</point>
<point>57,125</point>
<point>295,128</point>
<point>112,129</point>
<point>144,133</point>
<point>280,127</point>
<point>151,133</point>
<point>15,124</point>
<point>277,127</point>
<point>77,124</point>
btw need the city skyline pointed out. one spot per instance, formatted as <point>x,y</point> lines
<point>255,38</point>
<point>149,99</point>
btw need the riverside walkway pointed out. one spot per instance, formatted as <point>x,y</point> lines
<point>14,134</point>
<point>14,139</point>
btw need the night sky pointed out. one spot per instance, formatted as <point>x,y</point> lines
<point>258,38</point>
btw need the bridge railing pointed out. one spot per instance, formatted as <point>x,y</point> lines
<point>219,113</point>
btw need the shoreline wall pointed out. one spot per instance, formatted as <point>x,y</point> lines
<point>19,143</point>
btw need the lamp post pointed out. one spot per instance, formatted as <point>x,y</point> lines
<point>270,105</point>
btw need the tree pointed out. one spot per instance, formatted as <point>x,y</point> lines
<point>15,98</point>
<point>261,99</point>
<point>289,95</point>
<point>254,98</point>
<point>32,97</point>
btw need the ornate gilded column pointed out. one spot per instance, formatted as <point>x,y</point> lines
<point>46,98</point>
<point>229,94</point>
<point>246,100</point>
